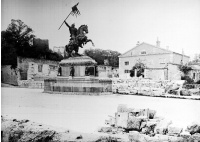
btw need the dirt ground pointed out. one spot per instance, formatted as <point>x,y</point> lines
<point>88,113</point>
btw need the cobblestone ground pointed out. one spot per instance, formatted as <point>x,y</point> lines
<point>88,113</point>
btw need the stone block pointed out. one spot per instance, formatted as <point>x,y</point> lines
<point>133,91</point>
<point>152,114</point>
<point>105,129</point>
<point>185,92</point>
<point>144,112</point>
<point>174,131</point>
<point>195,137</point>
<point>56,88</point>
<point>185,134</point>
<point>77,89</point>
<point>143,124</point>
<point>161,138</point>
<point>121,119</point>
<point>162,126</point>
<point>134,123</point>
<point>194,128</point>
<point>67,89</point>
<point>135,136</point>
<point>175,139</point>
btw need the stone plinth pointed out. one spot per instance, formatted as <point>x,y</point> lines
<point>82,81</point>
<point>80,65</point>
<point>77,84</point>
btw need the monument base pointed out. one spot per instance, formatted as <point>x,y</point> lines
<point>81,81</point>
<point>77,85</point>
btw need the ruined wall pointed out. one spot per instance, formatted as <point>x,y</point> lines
<point>34,71</point>
<point>173,72</point>
<point>8,75</point>
<point>155,74</point>
<point>37,67</point>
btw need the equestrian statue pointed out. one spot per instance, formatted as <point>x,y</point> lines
<point>78,39</point>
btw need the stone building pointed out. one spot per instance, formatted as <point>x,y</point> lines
<point>29,72</point>
<point>59,50</point>
<point>160,63</point>
<point>104,71</point>
<point>195,72</point>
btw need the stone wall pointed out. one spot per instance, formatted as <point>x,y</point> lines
<point>37,67</point>
<point>8,75</point>
<point>77,84</point>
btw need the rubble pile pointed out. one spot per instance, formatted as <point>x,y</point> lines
<point>24,131</point>
<point>142,125</point>
<point>14,130</point>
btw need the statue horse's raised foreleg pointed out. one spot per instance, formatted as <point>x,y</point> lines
<point>89,40</point>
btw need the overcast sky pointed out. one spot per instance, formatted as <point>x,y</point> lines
<point>113,24</point>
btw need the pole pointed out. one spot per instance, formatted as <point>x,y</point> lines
<point>64,20</point>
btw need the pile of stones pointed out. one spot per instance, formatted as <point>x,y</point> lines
<point>14,130</point>
<point>142,125</point>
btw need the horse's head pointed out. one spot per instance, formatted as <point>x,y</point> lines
<point>83,28</point>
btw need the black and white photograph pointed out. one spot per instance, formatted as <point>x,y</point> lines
<point>100,70</point>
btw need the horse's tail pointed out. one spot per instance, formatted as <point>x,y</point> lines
<point>66,48</point>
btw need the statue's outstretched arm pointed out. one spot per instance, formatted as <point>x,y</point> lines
<point>67,24</point>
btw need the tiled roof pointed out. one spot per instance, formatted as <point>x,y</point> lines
<point>165,50</point>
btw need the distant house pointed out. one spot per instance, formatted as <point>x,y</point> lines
<point>29,72</point>
<point>160,63</point>
<point>195,72</point>
<point>59,49</point>
<point>104,71</point>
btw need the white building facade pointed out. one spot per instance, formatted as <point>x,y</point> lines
<point>160,63</point>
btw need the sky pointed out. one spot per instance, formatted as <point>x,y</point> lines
<point>113,24</point>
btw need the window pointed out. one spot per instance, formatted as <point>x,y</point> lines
<point>39,68</point>
<point>143,53</point>
<point>127,63</point>
<point>193,75</point>
<point>126,71</point>
<point>23,75</point>
<point>52,67</point>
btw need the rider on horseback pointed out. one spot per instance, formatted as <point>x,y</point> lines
<point>73,32</point>
<point>78,39</point>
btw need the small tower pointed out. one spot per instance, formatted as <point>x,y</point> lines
<point>157,43</point>
<point>138,43</point>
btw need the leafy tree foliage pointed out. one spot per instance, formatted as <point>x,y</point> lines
<point>100,56</point>
<point>139,66</point>
<point>15,41</point>
<point>185,69</point>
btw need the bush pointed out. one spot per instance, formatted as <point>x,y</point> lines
<point>187,79</point>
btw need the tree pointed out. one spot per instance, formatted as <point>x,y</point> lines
<point>139,66</point>
<point>100,56</point>
<point>21,34</point>
<point>14,41</point>
<point>185,69</point>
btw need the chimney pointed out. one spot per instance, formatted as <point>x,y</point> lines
<point>158,43</point>
<point>138,43</point>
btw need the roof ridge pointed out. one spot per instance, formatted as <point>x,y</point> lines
<point>159,47</point>
<point>131,49</point>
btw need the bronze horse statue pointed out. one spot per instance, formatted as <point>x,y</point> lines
<point>80,40</point>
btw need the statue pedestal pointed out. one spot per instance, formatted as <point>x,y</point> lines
<point>81,81</point>
<point>80,65</point>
